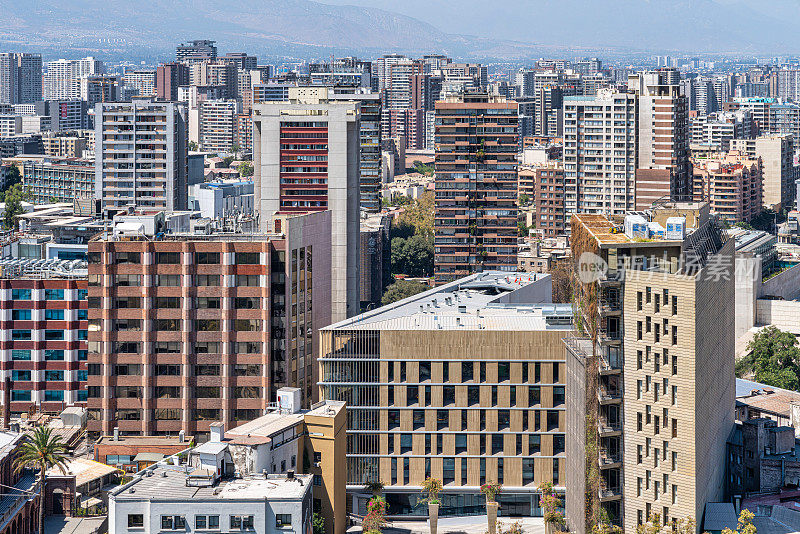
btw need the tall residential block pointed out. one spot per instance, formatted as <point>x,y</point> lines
<point>600,153</point>
<point>20,78</point>
<point>196,51</point>
<point>463,383</point>
<point>731,184</point>
<point>663,171</point>
<point>169,77</point>
<point>306,159</point>
<point>141,156</point>
<point>62,77</point>
<point>650,380</point>
<point>185,332</point>
<point>779,172</point>
<point>217,124</point>
<point>475,221</point>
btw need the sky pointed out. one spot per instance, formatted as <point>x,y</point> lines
<point>748,26</point>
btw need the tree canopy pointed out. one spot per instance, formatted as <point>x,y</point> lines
<point>419,214</point>
<point>245,169</point>
<point>412,256</point>
<point>402,289</point>
<point>13,199</point>
<point>774,359</point>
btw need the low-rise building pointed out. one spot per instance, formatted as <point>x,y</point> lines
<point>54,179</point>
<point>19,507</point>
<point>134,453</point>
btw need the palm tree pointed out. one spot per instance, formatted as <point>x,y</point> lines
<point>43,450</point>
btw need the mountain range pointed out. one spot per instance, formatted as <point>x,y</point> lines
<point>509,29</point>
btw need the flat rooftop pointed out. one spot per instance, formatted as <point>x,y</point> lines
<point>603,230</point>
<point>138,441</point>
<point>259,430</point>
<point>490,300</point>
<point>164,482</point>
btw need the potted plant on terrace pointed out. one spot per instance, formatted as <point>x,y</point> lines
<point>432,486</point>
<point>376,516</point>
<point>553,518</point>
<point>491,489</point>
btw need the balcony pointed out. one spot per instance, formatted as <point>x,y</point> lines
<point>608,428</point>
<point>609,459</point>
<point>609,493</point>
<point>609,395</point>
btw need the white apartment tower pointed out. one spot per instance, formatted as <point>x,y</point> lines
<point>141,158</point>
<point>600,153</point>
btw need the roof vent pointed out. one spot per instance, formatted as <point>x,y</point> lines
<point>462,309</point>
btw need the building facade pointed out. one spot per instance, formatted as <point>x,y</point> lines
<point>186,332</point>
<point>141,156</point>
<point>53,179</point>
<point>474,394</point>
<point>475,220</point>
<point>45,336</point>
<point>306,159</point>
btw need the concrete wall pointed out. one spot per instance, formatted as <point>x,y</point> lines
<point>784,314</point>
<point>785,284</point>
<point>747,275</point>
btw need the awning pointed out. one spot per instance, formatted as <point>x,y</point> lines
<point>149,457</point>
<point>90,501</point>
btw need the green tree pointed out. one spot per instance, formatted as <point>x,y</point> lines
<point>522,229</point>
<point>318,523</point>
<point>42,451</point>
<point>419,214</point>
<point>412,256</point>
<point>424,168</point>
<point>774,359</point>
<point>524,200</point>
<point>402,289</point>
<point>13,200</point>
<point>245,169</point>
<point>192,146</point>
<point>227,160</point>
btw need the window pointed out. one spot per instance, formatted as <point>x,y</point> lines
<point>638,301</point>
<point>674,335</point>
<point>83,315</point>
<point>168,257</point>
<point>461,443</point>
<point>247,325</point>
<point>53,294</point>
<point>247,347</point>
<point>53,395</point>
<point>247,280</point>
<point>206,522</point>
<point>467,371</point>
<point>54,376</point>
<point>173,522</point>
<point>168,325</point>
<point>281,520</point>
<point>21,294</point>
<point>135,521</point>
<point>674,305</point>
<point>168,347</point>
<point>207,392</point>
<point>449,395</point>
<point>207,279</point>
<point>473,395</point>
<point>207,325</point>
<point>206,258</point>
<point>497,443</point>
<point>20,335</point>
<point>20,354</point>
<point>442,419</point>
<point>125,257</point>
<point>558,395</point>
<point>22,376</point>
<point>131,280</point>
<point>20,395</point>
<point>206,370</point>
<point>424,371</point>
<point>23,315</point>
<point>167,280</point>
<point>54,354</point>
<point>168,303</point>
<point>639,330</point>
<point>247,303</point>
<point>534,395</point>
<point>503,371</point>
<point>248,258</point>
<point>503,419</point>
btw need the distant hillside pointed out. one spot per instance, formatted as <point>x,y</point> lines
<point>273,27</point>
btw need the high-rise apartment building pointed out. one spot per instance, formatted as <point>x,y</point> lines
<point>187,332</point>
<point>196,51</point>
<point>370,177</point>
<point>650,384</point>
<point>475,222</point>
<point>61,79</point>
<point>97,88</point>
<point>169,77</point>
<point>718,129</point>
<point>215,74</point>
<point>20,78</point>
<point>463,383</point>
<point>306,159</point>
<point>663,170</point>
<point>548,199</point>
<point>140,83</point>
<point>242,60</point>
<point>600,153</point>
<point>45,324</point>
<point>785,119</point>
<point>789,84</point>
<point>141,156</point>
<point>217,124</point>
<point>779,172</point>
<point>731,184</point>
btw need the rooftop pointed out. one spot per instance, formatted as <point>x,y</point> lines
<point>602,229</point>
<point>765,398</point>
<point>163,482</point>
<point>134,441</point>
<point>84,470</point>
<point>490,300</point>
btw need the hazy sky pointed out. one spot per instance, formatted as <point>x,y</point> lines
<point>701,25</point>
